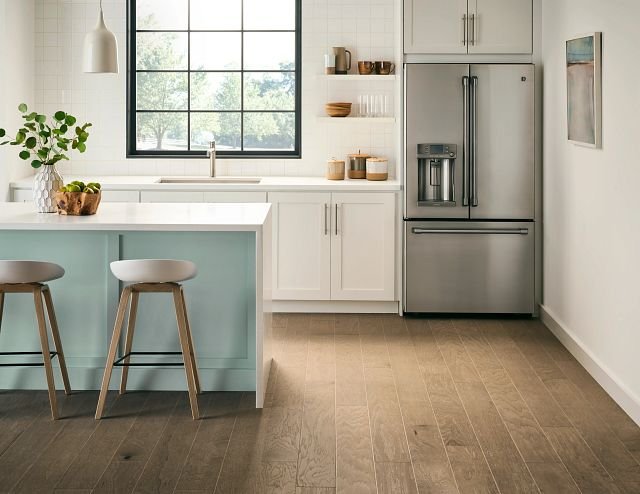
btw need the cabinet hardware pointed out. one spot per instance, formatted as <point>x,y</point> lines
<point>326,224</point>
<point>464,30</point>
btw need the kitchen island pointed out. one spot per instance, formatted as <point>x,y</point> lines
<point>228,302</point>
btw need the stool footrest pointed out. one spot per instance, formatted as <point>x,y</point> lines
<point>120,363</point>
<point>25,364</point>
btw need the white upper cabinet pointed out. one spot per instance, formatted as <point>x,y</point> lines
<point>501,26</point>
<point>435,26</point>
<point>468,26</point>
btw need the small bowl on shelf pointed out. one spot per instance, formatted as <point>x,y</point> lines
<point>338,109</point>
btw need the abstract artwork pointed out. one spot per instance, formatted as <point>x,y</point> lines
<point>584,90</point>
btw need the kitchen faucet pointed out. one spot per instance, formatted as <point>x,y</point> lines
<point>211,153</point>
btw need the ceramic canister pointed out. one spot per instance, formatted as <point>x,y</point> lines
<point>358,165</point>
<point>377,169</point>
<point>335,169</point>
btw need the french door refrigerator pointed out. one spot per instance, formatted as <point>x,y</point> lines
<point>469,210</point>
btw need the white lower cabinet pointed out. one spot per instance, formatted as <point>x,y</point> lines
<point>363,246</point>
<point>334,246</point>
<point>301,245</point>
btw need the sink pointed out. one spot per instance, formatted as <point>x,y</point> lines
<point>209,180</point>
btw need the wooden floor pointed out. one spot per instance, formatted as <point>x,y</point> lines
<point>356,404</point>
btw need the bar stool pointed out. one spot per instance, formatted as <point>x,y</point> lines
<point>31,277</point>
<point>151,276</point>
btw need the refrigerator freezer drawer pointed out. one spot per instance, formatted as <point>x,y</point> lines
<point>470,267</point>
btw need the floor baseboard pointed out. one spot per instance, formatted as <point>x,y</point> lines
<point>620,392</point>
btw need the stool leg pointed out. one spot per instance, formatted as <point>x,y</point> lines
<point>1,307</point>
<point>133,310</point>
<point>44,343</point>
<point>184,344</point>
<point>53,322</point>
<point>115,338</point>
<point>192,350</point>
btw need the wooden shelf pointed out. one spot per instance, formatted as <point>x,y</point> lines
<point>372,120</point>
<point>358,77</point>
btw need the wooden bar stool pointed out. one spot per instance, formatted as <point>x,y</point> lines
<point>31,277</point>
<point>151,275</point>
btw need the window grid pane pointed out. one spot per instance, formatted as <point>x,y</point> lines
<point>249,104</point>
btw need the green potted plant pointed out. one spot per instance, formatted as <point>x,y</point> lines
<point>45,143</point>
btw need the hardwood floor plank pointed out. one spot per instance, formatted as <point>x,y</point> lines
<point>203,463</point>
<point>162,471</point>
<point>289,388</point>
<point>453,351</point>
<point>315,490</point>
<point>347,324</point>
<point>520,422</point>
<point>98,451</point>
<point>317,457</point>
<point>596,433</point>
<point>431,466</point>
<point>61,452</point>
<point>553,478</point>
<point>350,388</point>
<point>120,476</point>
<point>29,446</point>
<point>532,389</point>
<point>242,463</point>
<point>374,345</point>
<point>18,410</point>
<point>582,464</point>
<point>508,467</point>
<point>277,478</point>
<point>395,478</point>
<point>470,468</point>
<point>282,437</point>
<point>387,429</point>
<point>321,364</point>
<point>354,461</point>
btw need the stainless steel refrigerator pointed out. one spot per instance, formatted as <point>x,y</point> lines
<point>469,210</point>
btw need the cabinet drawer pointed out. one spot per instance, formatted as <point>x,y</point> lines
<point>171,196</point>
<point>22,195</point>
<point>120,196</point>
<point>224,196</point>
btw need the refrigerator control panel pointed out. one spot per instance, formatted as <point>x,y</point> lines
<point>437,151</point>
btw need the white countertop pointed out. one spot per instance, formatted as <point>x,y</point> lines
<point>209,217</point>
<point>271,184</point>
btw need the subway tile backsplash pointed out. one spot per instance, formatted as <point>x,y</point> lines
<point>368,28</point>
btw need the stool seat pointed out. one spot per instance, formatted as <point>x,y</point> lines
<point>153,270</point>
<point>13,272</point>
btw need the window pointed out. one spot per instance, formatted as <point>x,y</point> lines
<point>200,70</point>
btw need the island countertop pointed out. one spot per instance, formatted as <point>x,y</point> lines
<point>156,217</point>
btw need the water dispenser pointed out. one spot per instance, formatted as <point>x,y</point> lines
<point>436,174</point>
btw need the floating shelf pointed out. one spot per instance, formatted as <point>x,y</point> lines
<point>373,120</point>
<point>358,77</point>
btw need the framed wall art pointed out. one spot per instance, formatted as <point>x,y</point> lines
<point>584,90</point>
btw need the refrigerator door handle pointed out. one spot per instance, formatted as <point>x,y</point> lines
<point>466,144</point>
<point>470,231</point>
<point>474,141</point>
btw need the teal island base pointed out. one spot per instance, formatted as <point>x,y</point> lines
<point>226,302</point>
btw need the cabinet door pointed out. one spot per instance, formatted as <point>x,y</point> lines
<point>501,26</point>
<point>363,246</point>
<point>301,245</point>
<point>435,26</point>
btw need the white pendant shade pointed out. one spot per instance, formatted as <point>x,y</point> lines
<point>100,49</point>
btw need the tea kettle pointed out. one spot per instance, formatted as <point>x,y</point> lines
<point>342,66</point>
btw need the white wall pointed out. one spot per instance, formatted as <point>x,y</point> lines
<point>366,27</point>
<point>591,207</point>
<point>16,81</point>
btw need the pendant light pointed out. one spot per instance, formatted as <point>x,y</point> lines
<point>100,49</point>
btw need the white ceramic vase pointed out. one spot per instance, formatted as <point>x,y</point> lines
<point>46,182</point>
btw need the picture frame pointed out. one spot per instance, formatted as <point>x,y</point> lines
<point>584,89</point>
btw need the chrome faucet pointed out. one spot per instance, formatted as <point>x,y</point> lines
<point>211,153</point>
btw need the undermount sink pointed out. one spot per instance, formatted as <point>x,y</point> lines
<point>209,180</point>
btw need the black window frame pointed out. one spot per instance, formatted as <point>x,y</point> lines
<point>133,152</point>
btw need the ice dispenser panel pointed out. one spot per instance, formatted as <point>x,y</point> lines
<point>436,174</point>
